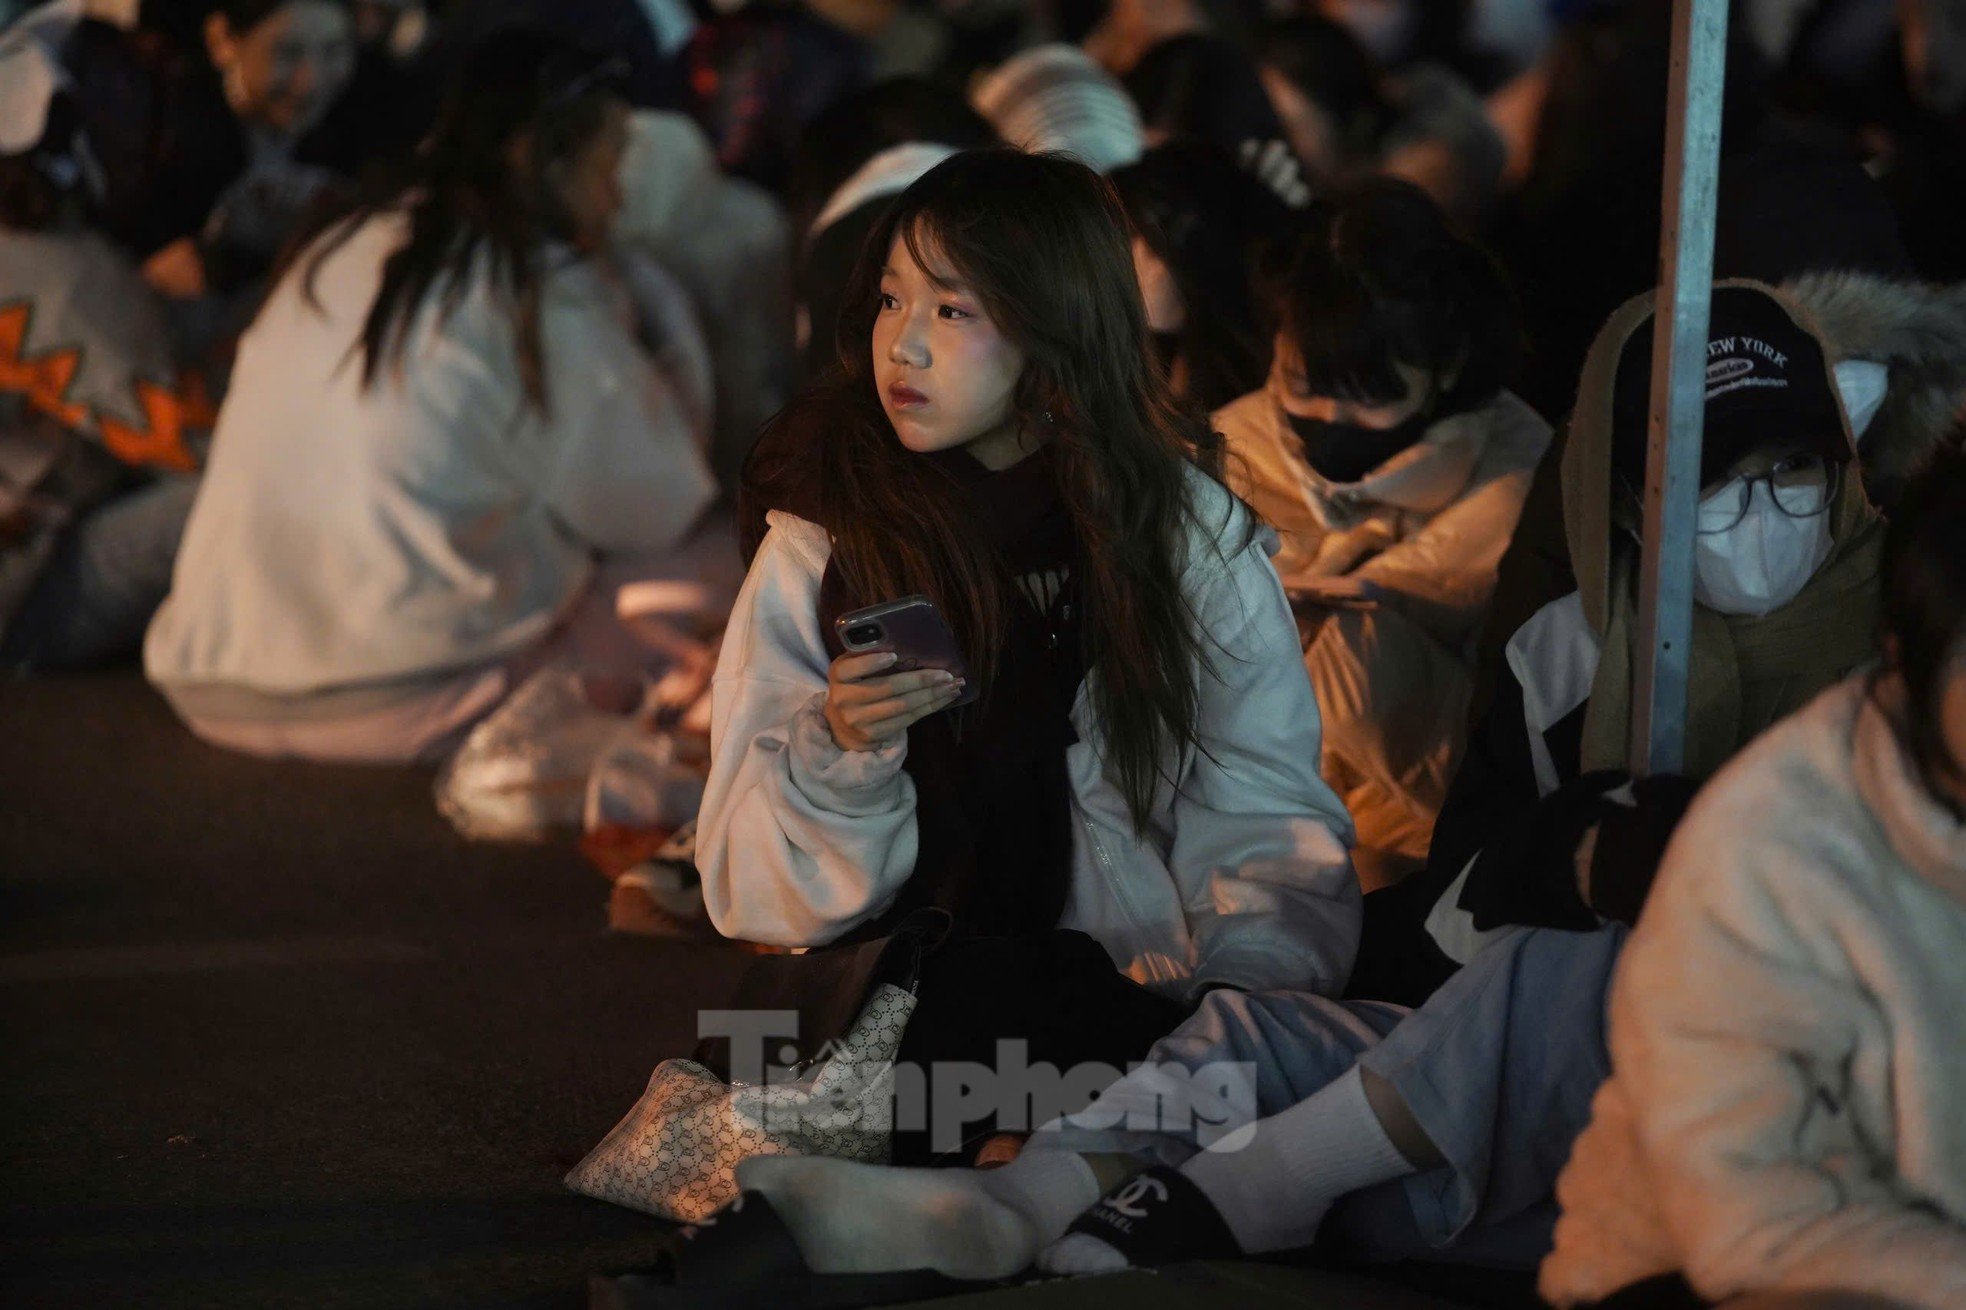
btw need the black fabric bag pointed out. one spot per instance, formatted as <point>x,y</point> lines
<point>829,986</point>
<point>1057,992</point>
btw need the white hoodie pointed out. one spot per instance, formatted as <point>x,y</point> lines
<point>1243,876</point>
<point>1787,1104</point>
<point>350,535</point>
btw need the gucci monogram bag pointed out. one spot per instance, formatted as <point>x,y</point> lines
<point>676,1152</point>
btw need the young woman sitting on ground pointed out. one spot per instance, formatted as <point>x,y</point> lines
<point>444,418</point>
<point>202,125</point>
<point>1131,810</point>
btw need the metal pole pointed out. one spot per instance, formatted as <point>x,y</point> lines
<point>1679,363</point>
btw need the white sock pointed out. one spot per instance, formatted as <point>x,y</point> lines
<point>862,1218</point>
<point>1050,1188</point>
<point>1274,1190</point>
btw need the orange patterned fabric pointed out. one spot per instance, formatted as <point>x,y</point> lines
<point>171,414</point>
<point>44,380</point>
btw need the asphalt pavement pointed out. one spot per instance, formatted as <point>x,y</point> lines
<point>275,1036</point>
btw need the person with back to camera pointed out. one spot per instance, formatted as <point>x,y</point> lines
<point>1202,228</point>
<point>444,446</point>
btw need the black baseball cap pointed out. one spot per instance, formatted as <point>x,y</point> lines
<point>1768,386</point>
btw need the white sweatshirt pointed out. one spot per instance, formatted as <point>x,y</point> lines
<point>1787,1104</point>
<point>1243,878</point>
<point>349,535</point>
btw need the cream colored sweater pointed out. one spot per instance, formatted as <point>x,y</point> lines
<point>1787,1105</point>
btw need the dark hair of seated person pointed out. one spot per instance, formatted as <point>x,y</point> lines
<point>1212,224</point>
<point>1202,87</point>
<point>1377,277</point>
<point>1925,596</point>
<point>31,197</point>
<point>1328,67</point>
<point>858,126</point>
<point>466,198</point>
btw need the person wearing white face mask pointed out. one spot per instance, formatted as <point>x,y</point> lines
<point>1784,1030</point>
<point>1763,533</point>
<point>1786,597</point>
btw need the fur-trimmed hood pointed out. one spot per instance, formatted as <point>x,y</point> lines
<point>1918,332</point>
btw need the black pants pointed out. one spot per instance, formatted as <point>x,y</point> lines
<point>1398,960</point>
<point>1057,992</point>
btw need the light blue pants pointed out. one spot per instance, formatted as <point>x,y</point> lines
<point>1498,1067</point>
<point>105,580</point>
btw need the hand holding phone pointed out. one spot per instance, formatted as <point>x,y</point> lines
<point>868,705</point>
<point>901,665</point>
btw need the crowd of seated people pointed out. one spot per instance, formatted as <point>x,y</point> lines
<point>1259,397</point>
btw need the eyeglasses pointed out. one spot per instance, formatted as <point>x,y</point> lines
<point>1802,487</point>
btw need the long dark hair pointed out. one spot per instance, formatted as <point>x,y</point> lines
<point>1925,592</point>
<point>1042,242</point>
<point>465,200</point>
<point>1213,225</point>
